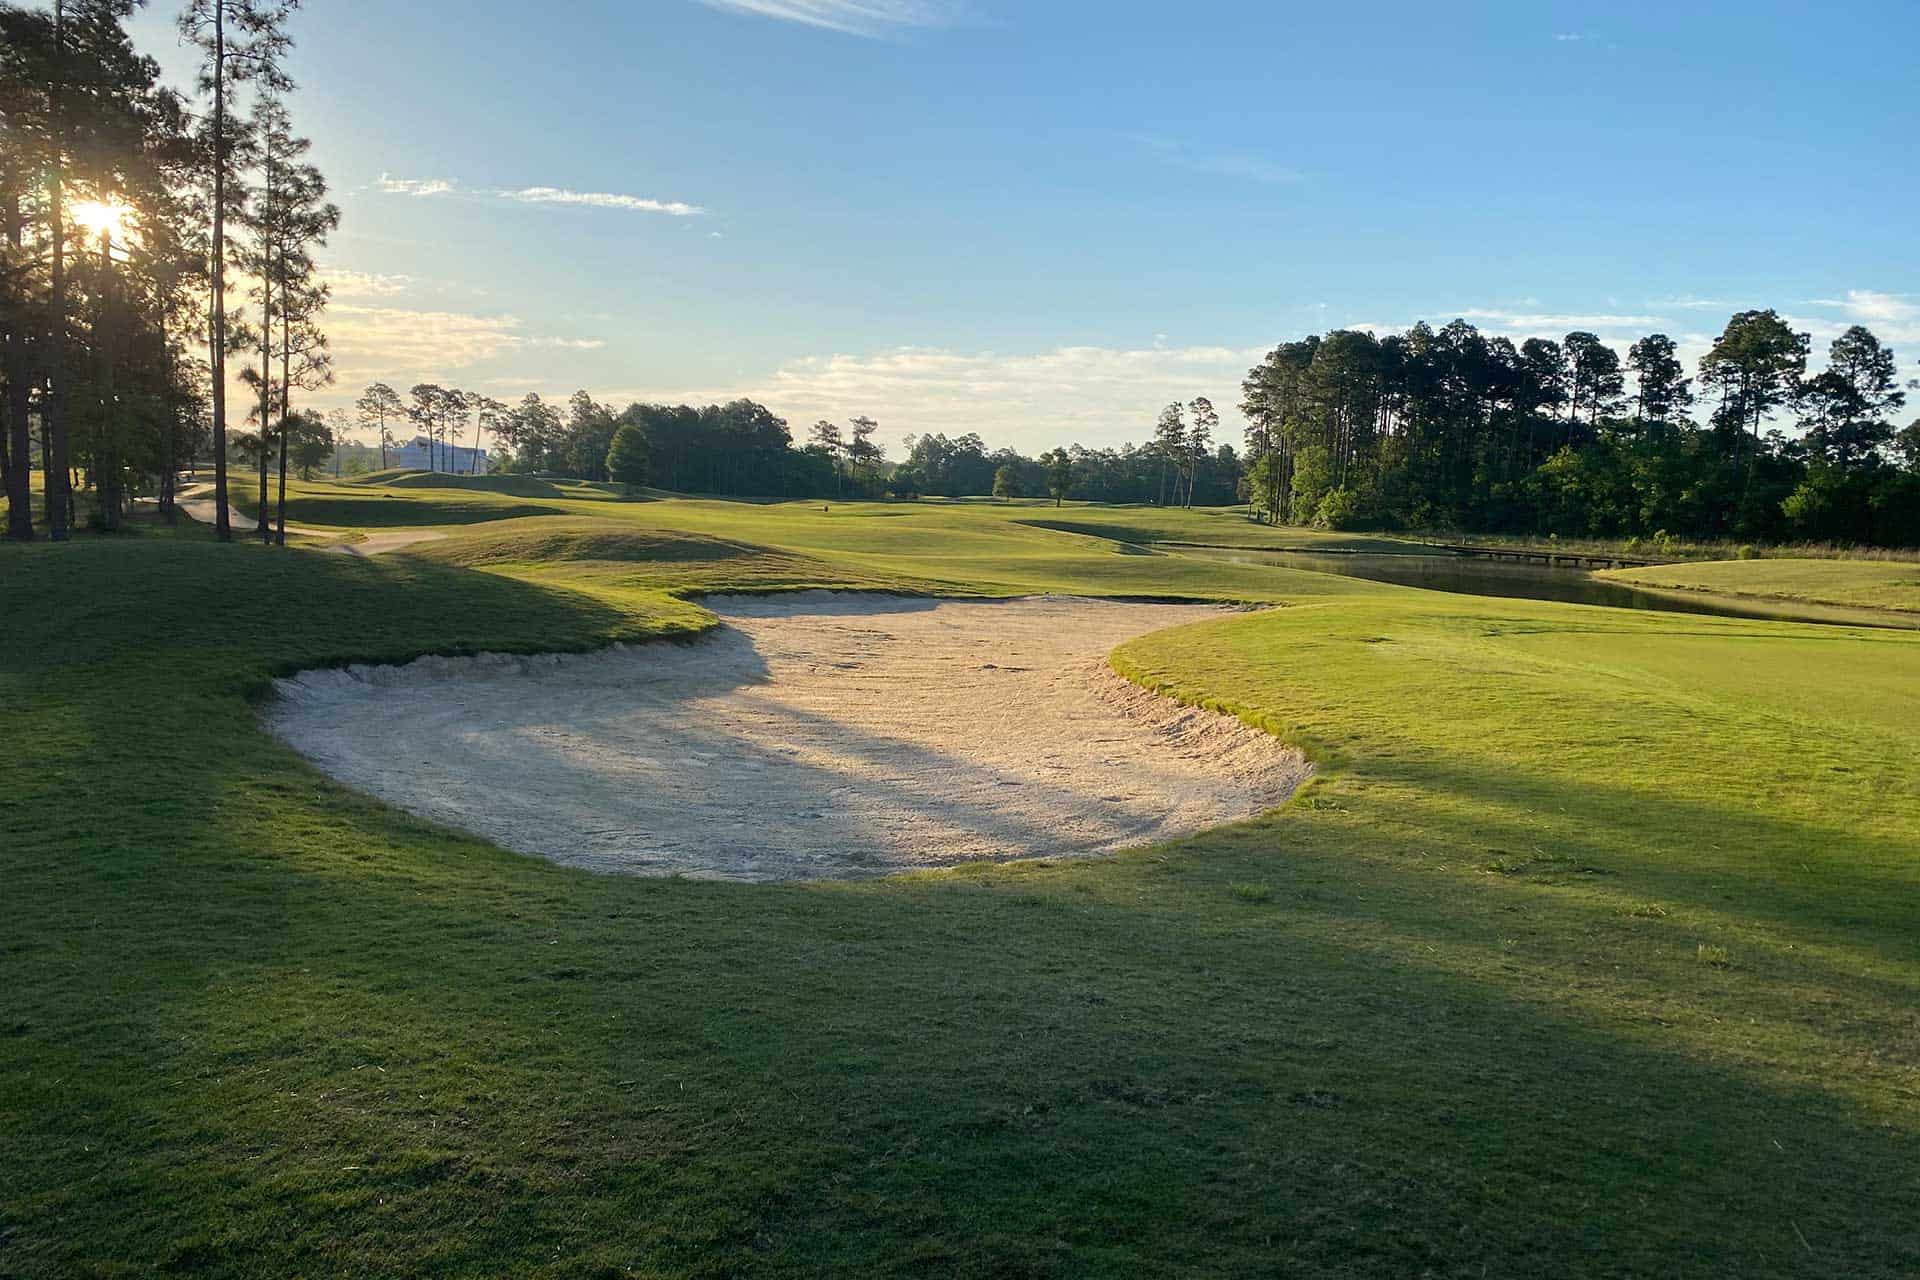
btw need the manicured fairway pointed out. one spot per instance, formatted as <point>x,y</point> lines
<point>1593,952</point>
<point>1861,584</point>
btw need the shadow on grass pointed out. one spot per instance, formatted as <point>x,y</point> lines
<point>256,1023</point>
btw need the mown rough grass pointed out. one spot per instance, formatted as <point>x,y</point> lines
<point>1860,584</point>
<point>254,1024</point>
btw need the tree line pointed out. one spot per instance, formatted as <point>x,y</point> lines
<point>157,244</point>
<point>1451,429</point>
<point>743,449</point>
<point>1437,429</point>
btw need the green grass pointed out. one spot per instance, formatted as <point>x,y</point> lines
<point>1590,953</point>
<point>1858,584</point>
<point>1663,547</point>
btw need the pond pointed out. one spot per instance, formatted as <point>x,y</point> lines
<point>1464,575</point>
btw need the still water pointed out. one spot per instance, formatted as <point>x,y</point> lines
<point>1463,575</point>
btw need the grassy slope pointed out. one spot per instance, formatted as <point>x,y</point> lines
<point>1862,584</point>
<point>1448,1014</point>
<point>417,498</point>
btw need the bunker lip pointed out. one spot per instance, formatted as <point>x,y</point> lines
<point>815,735</point>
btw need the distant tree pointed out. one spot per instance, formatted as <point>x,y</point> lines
<point>456,406</point>
<point>1848,409</point>
<point>825,436</point>
<point>339,426</point>
<point>1756,366</point>
<point>288,217</point>
<point>378,405</point>
<point>489,415</point>
<point>1906,446</point>
<point>1170,442</point>
<point>1199,438</point>
<point>590,427</point>
<point>534,431</point>
<point>627,456</point>
<point>1006,481</point>
<point>863,455</point>
<point>428,406</point>
<point>311,440</point>
<point>1663,392</point>
<point>240,41</point>
<point>1594,379</point>
<point>1059,465</point>
<point>1543,386</point>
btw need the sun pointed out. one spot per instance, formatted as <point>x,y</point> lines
<point>102,217</point>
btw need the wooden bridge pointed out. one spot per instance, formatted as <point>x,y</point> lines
<point>1545,555</point>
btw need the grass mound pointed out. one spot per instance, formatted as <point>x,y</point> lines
<point>618,555</point>
<point>338,506</point>
<point>512,485</point>
<point>547,541</point>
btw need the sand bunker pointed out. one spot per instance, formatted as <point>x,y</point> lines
<point>818,735</point>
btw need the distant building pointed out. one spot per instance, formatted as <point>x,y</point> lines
<point>416,455</point>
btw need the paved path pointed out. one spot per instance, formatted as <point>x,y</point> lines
<point>196,501</point>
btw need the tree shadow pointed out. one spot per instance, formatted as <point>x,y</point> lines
<point>255,1022</point>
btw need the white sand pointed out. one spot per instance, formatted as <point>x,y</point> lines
<point>819,735</point>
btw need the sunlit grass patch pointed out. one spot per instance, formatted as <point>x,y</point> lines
<point>258,1024</point>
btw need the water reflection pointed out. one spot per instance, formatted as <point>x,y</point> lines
<point>1463,575</point>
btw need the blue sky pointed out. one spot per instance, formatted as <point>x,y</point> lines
<point>1043,220</point>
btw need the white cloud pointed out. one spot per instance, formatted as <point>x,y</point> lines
<point>1893,318</point>
<point>538,195</point>
<point>414,186</point>
<point>1549,325</point>
<point>1692,302</point>
<point>1867,306</point>
<point>382,342</point>
<point>345,283</point>
<point>601,200</point>
<point>851,17</point>
<point>1094,396</point>
<point>568,344</point>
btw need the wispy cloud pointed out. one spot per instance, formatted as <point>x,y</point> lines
<point>1550,324</point>
<point>413,186</point>
<point>1894,319</point>
<point>538,195</point>
<point>344,283</point>
<point>1570,37</point>
<point>869,18</point>
<point>1094,396</point>
<point>601,200</point>
<point>1869,306</point>
<point>1692,302</point>
<point>1220,163</point>
<point>398,342</point>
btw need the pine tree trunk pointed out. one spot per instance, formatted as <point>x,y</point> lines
<point>19,405</point>
<point>264,526</point>
<point>217,335</point>
<point>106,456</point>
<point>53,411</point>
<point>286,402</point>
<point>169,457</point>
